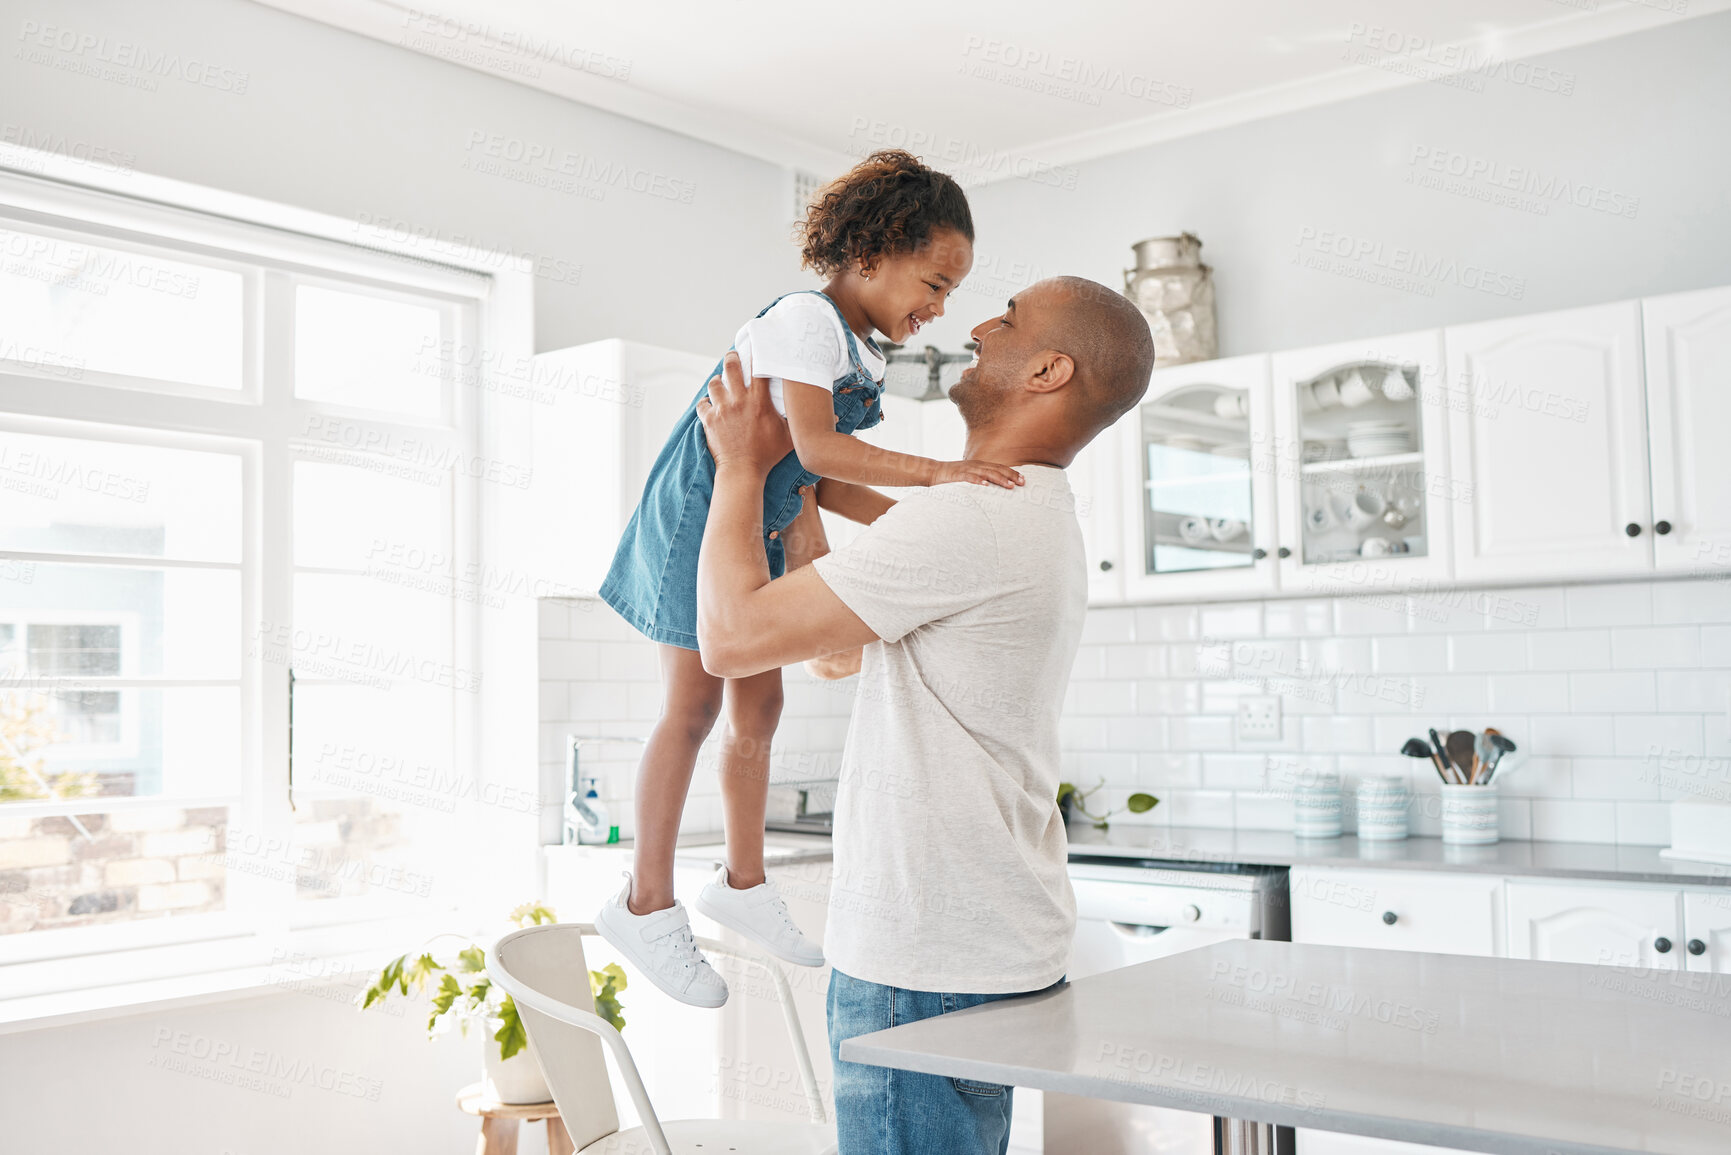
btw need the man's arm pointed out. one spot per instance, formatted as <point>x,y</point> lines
<point>745,623</point>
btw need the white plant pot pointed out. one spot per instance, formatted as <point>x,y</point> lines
<point>514,1080</point>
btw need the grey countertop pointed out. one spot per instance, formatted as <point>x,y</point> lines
<point>1477,1054</point>
<point>1583,860</point>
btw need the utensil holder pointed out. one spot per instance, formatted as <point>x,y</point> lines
<point>1469,814</point>
<point>1382,808</point>
<point>1316,808</point>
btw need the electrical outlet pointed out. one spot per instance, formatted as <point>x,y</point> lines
<point>1259,719</point>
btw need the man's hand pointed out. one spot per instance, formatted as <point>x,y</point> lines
<point>742,427</point>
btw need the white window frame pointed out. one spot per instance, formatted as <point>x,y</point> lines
<point>276,244</point>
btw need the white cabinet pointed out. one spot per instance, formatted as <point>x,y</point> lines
<point>1595,923</point>
<point>1707,931</point>
<point>608,408</point>
<point>1198,483</point>
<point>1549,446</point>
<point>1688,356</point>
<point>1361,445</point>
<point>1095,481</point>
<point>1396,910</point>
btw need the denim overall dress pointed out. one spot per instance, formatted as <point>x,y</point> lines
<point>653,579</point>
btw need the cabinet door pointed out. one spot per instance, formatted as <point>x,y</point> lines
<point>1095,479</point>
<point>1549,444</point>
<point>1198,506</point>
<point>1707,931</point>
<point>1688,354</point>
<point>1361,444</point>
<point>1396,910</point>
<point>1613,925</point>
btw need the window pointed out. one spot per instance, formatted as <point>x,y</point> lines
<point>220,446</point>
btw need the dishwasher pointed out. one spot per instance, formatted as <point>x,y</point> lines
<point>1128,912</point>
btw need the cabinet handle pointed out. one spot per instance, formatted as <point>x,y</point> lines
<point>1696,946</point>
<point>1258,553</point>
<point>1632,530</point>
<point>1662,945</point>
<point>1284,552</point>
<point>1661,528</point>
<point>1105,567</point>
<point>1389,918</point>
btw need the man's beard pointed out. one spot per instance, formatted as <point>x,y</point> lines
<point>975,398</point>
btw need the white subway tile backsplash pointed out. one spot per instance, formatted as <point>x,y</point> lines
<point>1692,602</point>
<point>1487,653</point>
<point>1609,693</point>
<point>1166,624</point>
<point>1656,647</point>
<point>1622,604</point>
<point>1603,687</point>
<point>1643,734</point>
<point>1555,821</point>
<point>1569,650</point>
<point>1529,694</point>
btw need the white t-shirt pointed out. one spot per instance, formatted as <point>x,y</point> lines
<point>950,853</point>
<point>800,339</point>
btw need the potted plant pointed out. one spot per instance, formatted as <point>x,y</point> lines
<point>1072,800</point>
<point>462,993</point>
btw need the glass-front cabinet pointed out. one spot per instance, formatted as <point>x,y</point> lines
<point>1198,461</point>
<point>1365,496</point>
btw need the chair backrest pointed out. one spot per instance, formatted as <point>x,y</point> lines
<point>549,961</point>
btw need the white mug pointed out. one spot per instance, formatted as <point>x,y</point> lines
<point>1396,387</point>
<point>1354,391</point>
<point>1327,393</point>
<point>1366,509</point>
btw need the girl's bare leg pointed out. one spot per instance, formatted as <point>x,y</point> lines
<point>691,702</point>
<point>753,711</point>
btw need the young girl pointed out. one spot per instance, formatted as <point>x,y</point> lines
<point>894,238</point>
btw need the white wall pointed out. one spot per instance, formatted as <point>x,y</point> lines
<point>1645,121</point>
<point>378,135</point>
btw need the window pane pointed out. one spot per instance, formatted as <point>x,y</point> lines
<point>368,352</point>
<point>347,517</point>
<point>73,307</point>
<point>374,792</point>
<point>84,741</point>
<point>365,632</point>
<point>73,495</point>
<point>95,868</point>
<point>94,621</point>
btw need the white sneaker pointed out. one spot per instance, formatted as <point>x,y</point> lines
<point>760,915</point>
<point>659,944</point>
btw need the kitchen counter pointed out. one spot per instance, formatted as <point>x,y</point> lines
<point>1476,1054</point>
<point>1579,860</point>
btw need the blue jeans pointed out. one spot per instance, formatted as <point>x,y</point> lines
<point>884,1111</point>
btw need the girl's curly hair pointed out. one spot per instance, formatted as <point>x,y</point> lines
<point>890,203</point>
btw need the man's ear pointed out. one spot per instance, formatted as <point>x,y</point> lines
<point>1051,370</point>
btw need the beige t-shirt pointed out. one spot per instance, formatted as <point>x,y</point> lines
<point>950,852</point>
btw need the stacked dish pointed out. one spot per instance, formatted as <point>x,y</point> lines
<point>1377,438</point>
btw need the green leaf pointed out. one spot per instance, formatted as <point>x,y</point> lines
<point>390,975</point>
<point>604,985</point>
<point>449,989</point>
<point>419,972</point>
<point>1140,803</point>
<point>1065,789</point>
<point>478,992</point>
<point>533,914</point>
<point>472,960</point>
<point>510,1036</point>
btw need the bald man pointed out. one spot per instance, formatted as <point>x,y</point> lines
<point>950,887</point>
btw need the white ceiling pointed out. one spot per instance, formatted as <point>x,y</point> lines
<point>808,83</point>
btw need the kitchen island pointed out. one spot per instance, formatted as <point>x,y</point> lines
<point>1476,1054</point>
